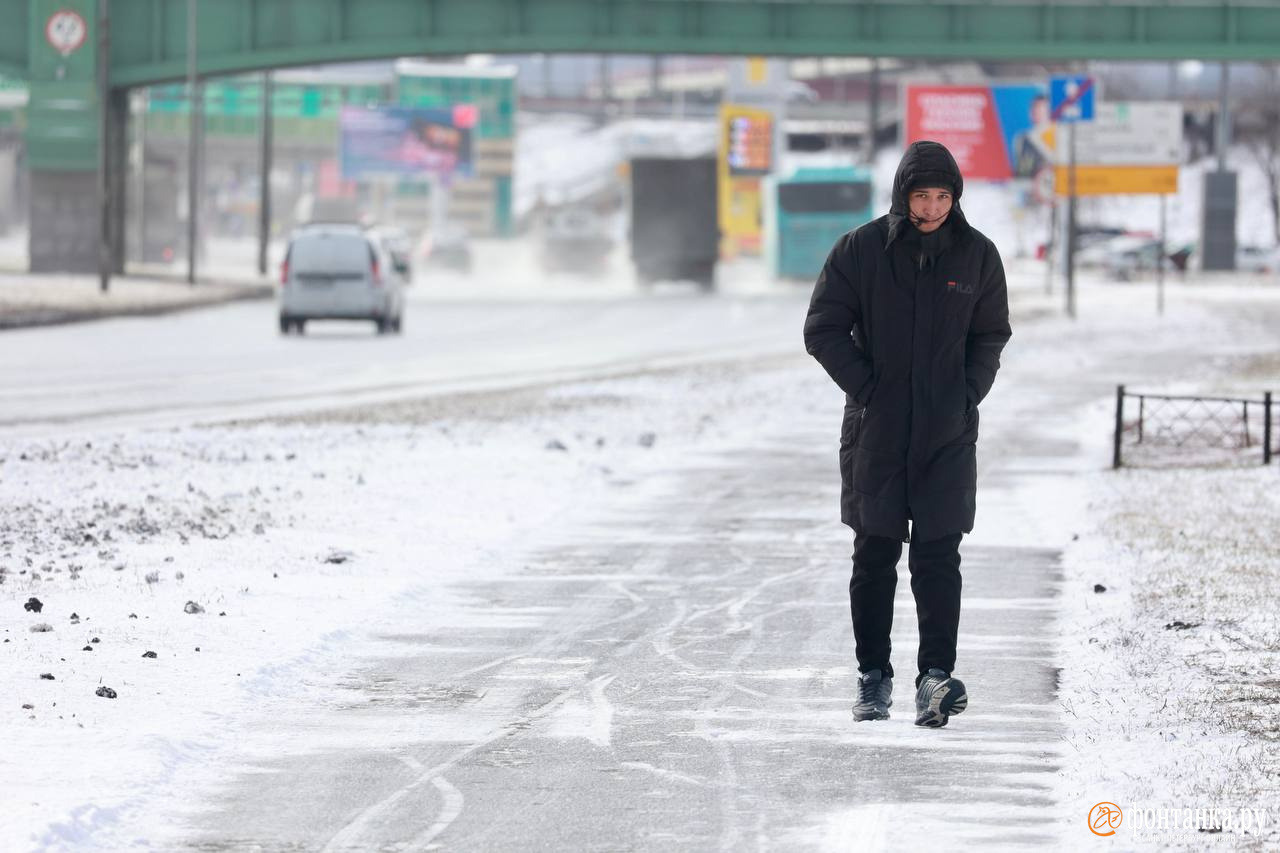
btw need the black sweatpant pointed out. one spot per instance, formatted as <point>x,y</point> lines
<point>935,582</point>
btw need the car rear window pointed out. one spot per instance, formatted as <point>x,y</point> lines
<point>330,254</point>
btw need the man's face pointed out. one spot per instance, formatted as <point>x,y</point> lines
<point>929,207</point>
<point>1039,112</point>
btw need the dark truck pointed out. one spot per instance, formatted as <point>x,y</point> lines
<point>674,235</point>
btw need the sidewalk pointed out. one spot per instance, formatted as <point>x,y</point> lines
<point>41,300</point>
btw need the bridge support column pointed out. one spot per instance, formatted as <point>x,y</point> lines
<point>64,130</point>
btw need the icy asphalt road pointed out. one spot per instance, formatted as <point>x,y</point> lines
<point>231,361</point>
<point>674,677</point>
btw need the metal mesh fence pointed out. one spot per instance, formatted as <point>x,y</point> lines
<point>1154,430</point>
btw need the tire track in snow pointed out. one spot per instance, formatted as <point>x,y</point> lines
<point>359,833</point>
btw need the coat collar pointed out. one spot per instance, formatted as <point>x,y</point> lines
<point>898,226</point>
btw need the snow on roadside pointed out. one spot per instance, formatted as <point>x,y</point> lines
<point>1171,647</point>
<point>289,538</point>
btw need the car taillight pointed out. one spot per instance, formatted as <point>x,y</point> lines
<point>377,274</point>
<point>284,271</point>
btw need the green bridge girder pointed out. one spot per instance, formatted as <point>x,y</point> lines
<point>148,37</point>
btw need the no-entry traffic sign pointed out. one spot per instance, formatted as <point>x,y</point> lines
<point>66,31</point>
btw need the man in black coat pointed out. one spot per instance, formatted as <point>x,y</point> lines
<point>909,316</point>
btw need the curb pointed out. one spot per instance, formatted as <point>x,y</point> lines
<point>35,316</point>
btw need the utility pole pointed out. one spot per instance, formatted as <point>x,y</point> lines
<point>873,111</point>
<point>195,130</point>
<point>105,133</point>
<point>1071,100</point>
<point>1160,257</point>
<point>1071,221</point>
<point>264,183</point>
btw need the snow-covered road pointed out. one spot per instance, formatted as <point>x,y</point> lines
<point>231,362</point>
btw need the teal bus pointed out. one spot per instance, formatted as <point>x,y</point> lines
<point>811,209</point>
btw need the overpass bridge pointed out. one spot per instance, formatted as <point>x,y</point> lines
<point>81,56</point>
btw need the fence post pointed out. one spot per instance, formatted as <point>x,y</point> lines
<point>1115,459</point>
<point>1266,428</point>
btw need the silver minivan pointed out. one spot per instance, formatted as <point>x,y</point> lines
<point>337,272</point>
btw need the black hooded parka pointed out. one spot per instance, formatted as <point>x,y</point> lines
<point>911,326</point>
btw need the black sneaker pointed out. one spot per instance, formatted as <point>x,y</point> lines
<point>875,695</point>
<point>938,697</point>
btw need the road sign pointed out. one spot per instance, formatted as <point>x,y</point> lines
<point>1129,148</point>
<point>1071,99</point>
<point>66,31</point>
<point>1120,180</point>
<point>1129,133</point>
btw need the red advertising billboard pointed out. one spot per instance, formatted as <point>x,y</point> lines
<point>995,132</point>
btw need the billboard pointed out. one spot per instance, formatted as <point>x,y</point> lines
<point>406,142</point>
<point>748,140</point>
<point>745,155</point>
<point>996,132</point>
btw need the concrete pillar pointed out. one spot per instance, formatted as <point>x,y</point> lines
<point>64,130</point>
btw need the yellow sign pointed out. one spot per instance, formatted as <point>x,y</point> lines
<point>745,154</point>
<point>757,70</point>
<point>1118,180</point>
<point>741,220</point>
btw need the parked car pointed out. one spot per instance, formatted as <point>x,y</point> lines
<point>1257,259</point>
<point>338,272</point>
<point>1126,258</point>
<point>1090,240</point>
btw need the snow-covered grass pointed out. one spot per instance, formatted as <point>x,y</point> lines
<point>1171,646</point>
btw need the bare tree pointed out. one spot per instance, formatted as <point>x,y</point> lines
<point>1258,128</point>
